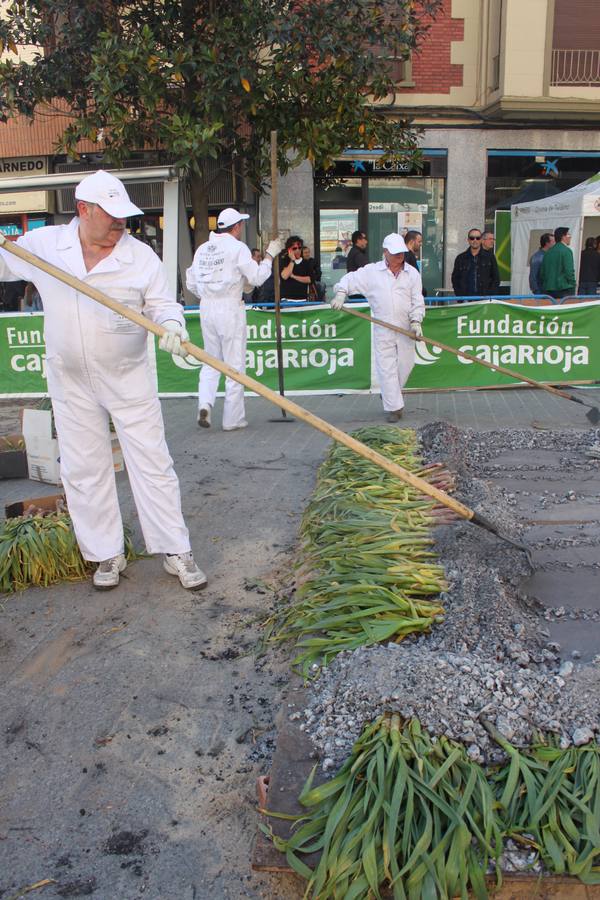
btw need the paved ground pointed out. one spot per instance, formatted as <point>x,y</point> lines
<point>136,722</point>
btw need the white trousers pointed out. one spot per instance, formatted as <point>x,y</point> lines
<point>88,476</point>
<point>394,361</point>
<point>224,335</point>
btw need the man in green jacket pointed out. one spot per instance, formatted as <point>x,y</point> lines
<point>557,273</point>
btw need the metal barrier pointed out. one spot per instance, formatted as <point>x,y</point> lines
<point>578,298</point>
<point>521,299</point>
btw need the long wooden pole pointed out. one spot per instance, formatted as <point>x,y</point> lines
<point>482,362</point>
<point>276,282</point>
<point>331,431</point>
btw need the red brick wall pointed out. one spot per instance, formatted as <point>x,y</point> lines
<point>432,71</point>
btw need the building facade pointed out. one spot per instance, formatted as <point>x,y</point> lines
<point>507,95</point>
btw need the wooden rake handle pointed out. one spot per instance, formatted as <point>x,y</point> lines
<point>482,362</point>
<point>320,424</point>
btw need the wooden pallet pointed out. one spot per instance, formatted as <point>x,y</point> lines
<point>291,766</point>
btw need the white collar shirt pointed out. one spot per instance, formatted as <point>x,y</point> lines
<point>396,299</point>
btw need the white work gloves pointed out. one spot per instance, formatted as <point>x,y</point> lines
<point>417,329</point>
<point>172,339</point>
<point>338,301</point>
<point>275,248</point>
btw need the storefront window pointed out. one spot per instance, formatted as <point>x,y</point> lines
<point>404,204</point>
<point>389,197</point>
<point>520,176</point>
<point>335,228</point>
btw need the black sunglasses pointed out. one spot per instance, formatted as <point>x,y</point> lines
<point>474,237</point>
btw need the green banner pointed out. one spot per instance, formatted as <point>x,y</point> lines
<point>549,343</point>
<point>329,352</point>
<point>22,354</point>
<point>503,246</point>
<point>322,351</point>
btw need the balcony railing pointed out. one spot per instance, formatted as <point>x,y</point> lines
<point>576,67</point>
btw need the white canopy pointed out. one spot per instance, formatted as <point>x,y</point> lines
<point>577,209</point>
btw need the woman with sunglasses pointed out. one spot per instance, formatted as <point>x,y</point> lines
<point>294,271</point>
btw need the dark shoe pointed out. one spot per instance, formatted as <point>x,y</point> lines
<point>394,416</point>
<point>204,417</point>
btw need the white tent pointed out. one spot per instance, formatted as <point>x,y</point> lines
<point>577,209</point>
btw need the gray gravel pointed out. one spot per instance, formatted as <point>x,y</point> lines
<point>492,656</point>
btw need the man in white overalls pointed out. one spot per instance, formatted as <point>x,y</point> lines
<point>98,368</point>
<point>222,270</point>
<point>395,294</point>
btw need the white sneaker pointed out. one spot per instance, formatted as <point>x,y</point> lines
<point>242,424</point>
<point>107,574</point>
<point>183,565</point>
<point>204,417</point>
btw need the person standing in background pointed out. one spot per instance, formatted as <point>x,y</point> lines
<point>557,272</point>
<point>316,289</point>
<point>589,268</point>
<point>294,272</point>
<point>487,241</point>
<point>535,263</point>
<point>414,242</point>
<point>252,296</point>
<point>475,272</point>
<point>357,255</point>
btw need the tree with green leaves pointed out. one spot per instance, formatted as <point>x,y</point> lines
<point>204,80</point>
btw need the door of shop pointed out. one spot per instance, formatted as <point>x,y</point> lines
<point>335,231</point>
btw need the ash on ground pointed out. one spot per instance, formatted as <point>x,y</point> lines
<point>492,657</point>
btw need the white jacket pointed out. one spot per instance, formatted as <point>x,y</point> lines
<point>223,269</point>
<point>86,343</point>
<point>398,300</point>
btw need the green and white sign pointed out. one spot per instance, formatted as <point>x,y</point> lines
<point>323,352</point>
<point>22,355</point>
<point>549,343</point>
<point>329,352</point>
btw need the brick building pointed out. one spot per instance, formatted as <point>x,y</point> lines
<point>508,96</point>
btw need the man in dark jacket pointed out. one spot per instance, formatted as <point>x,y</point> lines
<point>475,271</point>
<point>589,268</point>
<point>357,255</point>
<point>414,241</point>
<point>557,273</point>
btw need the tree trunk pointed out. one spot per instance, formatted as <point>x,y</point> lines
<point>199,207</point>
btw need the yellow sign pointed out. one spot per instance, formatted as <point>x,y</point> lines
<point>16,202</point>
<point>24,202</point>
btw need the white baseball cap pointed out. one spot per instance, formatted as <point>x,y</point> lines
<point>109,193</point>
<point>230,217</point>
<point>394,243</point>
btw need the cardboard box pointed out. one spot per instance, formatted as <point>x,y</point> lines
<point>11,510</point>
<point>43,455</point>
<point>13,457</point>
<point>43,458</point>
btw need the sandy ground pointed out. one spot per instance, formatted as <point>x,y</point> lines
<point>136,722</point>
